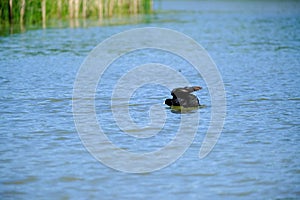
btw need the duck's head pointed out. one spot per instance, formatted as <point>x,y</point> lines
<point>168,102</point>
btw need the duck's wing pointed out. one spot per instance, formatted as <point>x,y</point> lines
<point>185,90</point>
<point>178,92</point>
<point>193,89</point>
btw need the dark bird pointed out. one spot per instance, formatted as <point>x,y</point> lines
<point>183,97</point>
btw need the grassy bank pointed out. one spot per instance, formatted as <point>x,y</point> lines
<point>40,12</point>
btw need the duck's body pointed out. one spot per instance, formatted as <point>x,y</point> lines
<point>183,97</point>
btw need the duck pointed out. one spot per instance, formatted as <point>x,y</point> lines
<point>183,97</point>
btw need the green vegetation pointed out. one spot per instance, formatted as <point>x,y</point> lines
<point>40,12</point>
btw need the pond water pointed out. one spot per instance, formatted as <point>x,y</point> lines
<point>256,46</point>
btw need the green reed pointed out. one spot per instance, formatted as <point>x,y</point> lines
<point>40,12</point>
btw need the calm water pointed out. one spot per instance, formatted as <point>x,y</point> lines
<point>256,47</point>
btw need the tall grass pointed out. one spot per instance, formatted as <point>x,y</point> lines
<point>39,12</point>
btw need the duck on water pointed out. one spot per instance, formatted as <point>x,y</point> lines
<point>182,97</point>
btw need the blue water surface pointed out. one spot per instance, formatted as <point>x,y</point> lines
<point>255,46</point>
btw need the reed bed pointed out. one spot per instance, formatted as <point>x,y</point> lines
<point>40,12</point>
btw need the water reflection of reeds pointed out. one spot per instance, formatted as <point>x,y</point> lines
<point>41,12</point>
